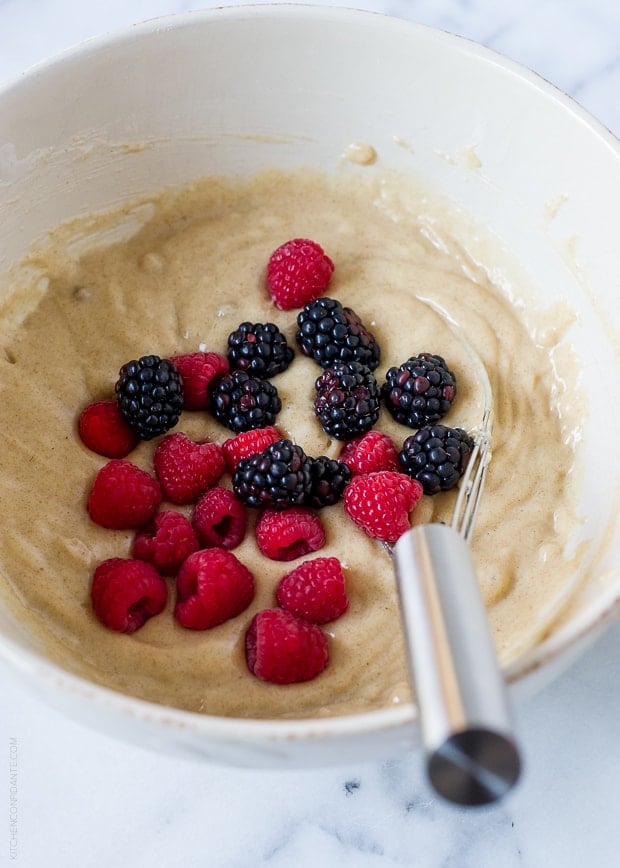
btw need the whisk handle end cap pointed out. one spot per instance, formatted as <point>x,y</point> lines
<point>475,767</point>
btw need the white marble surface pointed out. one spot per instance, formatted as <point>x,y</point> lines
<point>86,800</point>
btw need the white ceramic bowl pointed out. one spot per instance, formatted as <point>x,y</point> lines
<point>235,90</point>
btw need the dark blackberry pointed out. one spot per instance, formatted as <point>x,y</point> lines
<point>420,391</point>
<point>260,349</point>
<point>276,478</point>
<point>150,395</point>
<point>329,332</point>
<point>347,400</point>
<point>328,479</point>
<point>242,402</point>
<point>437,456</point>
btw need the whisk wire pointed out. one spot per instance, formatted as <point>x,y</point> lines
<point>472,482</point>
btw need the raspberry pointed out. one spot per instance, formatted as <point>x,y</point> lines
<point>219,519</point>
<point>166,542</point>
<point>420,391</point>
<point>277,478</point>
<point>260,349</point>
<point>242,402</point>
<point>284,536</point>
<point>380,503</point>
<point>329,332</point>
<point>314,591</point>
<point>123,496</point>
<point>212,586</point>
<point>328,479</point>
<point>347,400</point>
<point>186,469</point>
<point>103,430</point>
<point>371,452</point>
<point>248,443</point>
<point>126,593</point>
<point>150,394</point>
<point>298,272</point>
<point>283,649</point>
<point>437,457</point>
<point>198,370</point>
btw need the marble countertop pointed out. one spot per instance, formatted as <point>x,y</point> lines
<point>86,800</point>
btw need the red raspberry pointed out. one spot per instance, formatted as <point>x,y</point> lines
<point>126,593</point>
<point>166,542</point>
<point>123,496</point>
<point>314,591</point>
<point>248,443</point>
<point>186,469</point>
<point>380,503</point>
<point>103,430</point>
<point>283,649</point>
<point>284,535</point>
<point>298,272</point>
<point>212,586</point>
<point>369,453</point>
<point>197,371</point>
<point>219,519</point>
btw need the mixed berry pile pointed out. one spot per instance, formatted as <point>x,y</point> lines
<point>257,469</point>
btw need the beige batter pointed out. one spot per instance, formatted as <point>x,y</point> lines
<point>187,279</point>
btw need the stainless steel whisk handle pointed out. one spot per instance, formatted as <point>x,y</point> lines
<point>472,756</point>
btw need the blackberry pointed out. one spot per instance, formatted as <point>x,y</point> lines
<point>347,400</point>
<point>242,402</point>
<point>276,478</point>
<point>328,479</point>
<point>329,332</point>
<point>149,391</point>
<point>260,349</point>
<point>437,456</point>
<point>420,391</point>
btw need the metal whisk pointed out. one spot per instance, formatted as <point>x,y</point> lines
<point>472,757</point>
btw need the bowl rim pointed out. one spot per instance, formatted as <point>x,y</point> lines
<point>179,20</point>
<point>35,666</point>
